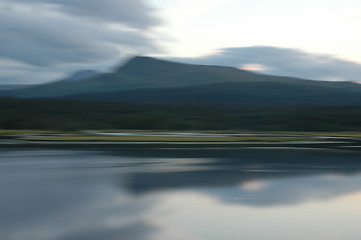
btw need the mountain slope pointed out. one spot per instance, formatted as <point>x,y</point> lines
<point>245,93</point>
<point>81,75</point>
<point>12,86</point>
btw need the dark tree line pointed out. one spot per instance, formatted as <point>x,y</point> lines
<point>77,114</point>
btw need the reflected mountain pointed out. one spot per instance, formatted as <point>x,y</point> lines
<point>254,177</point>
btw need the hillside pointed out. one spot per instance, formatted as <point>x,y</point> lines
<point>12,86</point>
<point>81,75</point>
<point>244,93</point>
<point>151,76</point>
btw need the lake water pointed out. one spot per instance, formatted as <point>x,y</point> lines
<point>178,194</point>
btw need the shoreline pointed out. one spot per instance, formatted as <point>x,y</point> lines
<point>111,139</point>
<point>335,145</point>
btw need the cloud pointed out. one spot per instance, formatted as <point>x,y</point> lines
<point>283,61</point>
<point>55,34</point>
<point>14,72</point>
<point>133,13</point>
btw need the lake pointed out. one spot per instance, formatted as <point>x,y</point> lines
<point>177,194</point>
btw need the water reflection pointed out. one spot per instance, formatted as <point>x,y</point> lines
<point>266,177</point>
<point>63,209</point>
<point>179,194</point>
<point>293,191</point>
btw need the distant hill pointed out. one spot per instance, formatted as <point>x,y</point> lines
<point>145,79</point>
<point>10,89</point>
<point>246,93</point>
<point>81,76</point>
<point>12,86</point>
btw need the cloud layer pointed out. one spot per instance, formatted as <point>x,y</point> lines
<point>283,61</point>
<point>53,33</point>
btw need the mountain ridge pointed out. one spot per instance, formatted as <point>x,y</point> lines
<point>139,72</point>
<point>146,76</point>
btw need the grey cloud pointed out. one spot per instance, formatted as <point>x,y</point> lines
<point>45,40</point>
<point>13,72</point>
<point>134,13</point>
<point>285,62</point>
<point>23,76</point>
<point>56,34</point>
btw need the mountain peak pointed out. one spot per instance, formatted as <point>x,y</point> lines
<point>148,64</point>
<point>142,59</point>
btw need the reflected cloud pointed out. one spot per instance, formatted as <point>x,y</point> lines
<point>253,185</point>
<point>138,230</point>
<point>68,209</point>
<point>290,191</point>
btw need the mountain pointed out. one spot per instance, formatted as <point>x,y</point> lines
<point>145,79</point>
<point>81,76</point>
<point>245,93</point>
<point>139,72</point>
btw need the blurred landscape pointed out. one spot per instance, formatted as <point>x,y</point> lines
<point>152,94</point>
<point>180,120</point>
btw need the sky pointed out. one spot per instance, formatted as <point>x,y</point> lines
<point>44,40</point>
